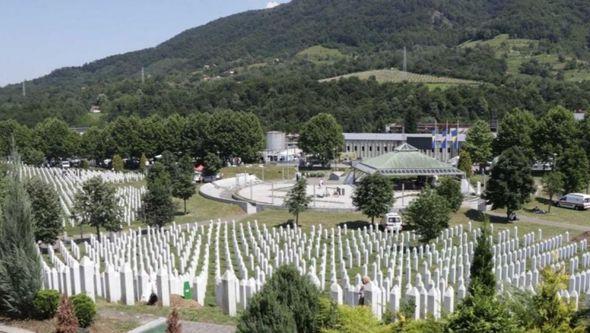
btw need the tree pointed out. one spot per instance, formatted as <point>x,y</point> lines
<point>478,143</point>
<point>55,139</point>
<point>182,184</point>
<point>321,137</point>
<point>118,163</point>
<point>143,162</point>
<point>450,189</point>
<point>173,322</point>
<point>47,212</point>
<point>297,199</point>
<point>235,134</point>
<point>288,299</point>
<point>481,271</point>
<point>66,321</point>
<point>552,184</point>
<point>374,196</point>
<point>516,129</point>
<point>556,131</point>
<point>20,269</point>
<point>481,312</point>
<point>158,207</point>
<point>428,214</point>
<point>551,313</point>
<point>465,163</point>
<point>212,164</point>
<point>574,166</point>
<point>96,205</point>
<point>511,183</point>
<point>265,314</point>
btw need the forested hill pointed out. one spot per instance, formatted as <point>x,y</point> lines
<point>360,29</point>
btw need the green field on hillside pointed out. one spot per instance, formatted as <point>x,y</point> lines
<point>320,55</point>
<point>517,51</point>
<point>397,76</point>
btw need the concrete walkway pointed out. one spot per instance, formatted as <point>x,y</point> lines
<point>10,329</point>
<point>539,221</point>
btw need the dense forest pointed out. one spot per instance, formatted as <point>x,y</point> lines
<point>248,62</point>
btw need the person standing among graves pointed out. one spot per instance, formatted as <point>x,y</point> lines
<point>365,281</point>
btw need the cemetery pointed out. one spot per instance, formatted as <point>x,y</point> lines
<point>130,266</point>
<point>67,182</point>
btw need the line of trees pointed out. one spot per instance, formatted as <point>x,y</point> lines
<point>555,138</point>
<point>224,133</point>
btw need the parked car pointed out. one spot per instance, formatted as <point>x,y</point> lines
<point>65,164</point>
<point>578,201</point>
<point>391,222</point>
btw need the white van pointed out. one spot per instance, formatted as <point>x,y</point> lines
<point>578,201</point>
<point>65,164</point>
<point>391,222</point>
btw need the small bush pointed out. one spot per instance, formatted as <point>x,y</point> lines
<point>84,308</point>
<point>46,303</point>
<point>328,314</point>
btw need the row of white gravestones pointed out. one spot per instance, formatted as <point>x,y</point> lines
<point>445,271</point>
<point>244,255</point>
<point>136,264</point>
<point>67,182</point>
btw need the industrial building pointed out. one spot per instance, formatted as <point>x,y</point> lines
<point>368,145</point>
<point>281,147</point>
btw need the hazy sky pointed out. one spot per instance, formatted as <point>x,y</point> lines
<point>38,36</point>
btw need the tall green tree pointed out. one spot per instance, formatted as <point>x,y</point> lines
<point>551,313</point>
<point>287,299</point>
<point>511,183</point>
<point>96,205</point>
<point>20,268</point>
<point>321,137</point>
<point>450,189</point>
<point>552,183</point>
<point>143,162</point>
<point>481,270</point>
<point>481,310</point>
<point>516,129</point>
<point>428,215</point>
<point>573,164</point>
<point>297,199</point>
<point>479,143</point>
<point>11,129</point>
<point>182,183</point>
<point>465,163</point>
<point>47,212</point>
<point>235,134</point>
<point>118,163</point>
<point>212,164</point>
<point>556,131</point>
<point>55,139</point>
<point>374,196</point>
<point>158,207</point>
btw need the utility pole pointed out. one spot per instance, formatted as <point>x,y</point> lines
<point>24,89</point>
<point>142,75</point>
<point>405,65</point>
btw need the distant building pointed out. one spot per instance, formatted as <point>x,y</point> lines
<point>368,145</point>
<point>281,147</point>
<point>579,115</point>
<point>95,109</point>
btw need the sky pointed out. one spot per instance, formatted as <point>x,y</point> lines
<point>38,36</point>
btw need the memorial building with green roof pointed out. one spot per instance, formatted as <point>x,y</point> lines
<point>406,163</point>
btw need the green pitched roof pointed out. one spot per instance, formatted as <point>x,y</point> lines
<point>406,160</point>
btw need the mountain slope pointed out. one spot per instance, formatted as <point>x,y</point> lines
<point>361,29</point>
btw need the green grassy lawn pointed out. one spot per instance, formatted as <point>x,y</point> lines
<point>276,217</point>
<point>262,171</point>
<point>518,51</point>
<point>395,75</point>
<point>556,214</point>
<point>320,55</point>
<point>202,209</point>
